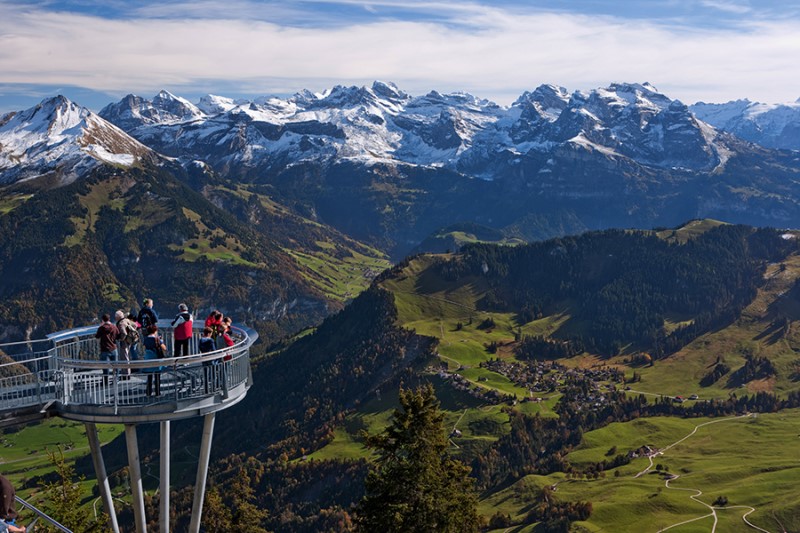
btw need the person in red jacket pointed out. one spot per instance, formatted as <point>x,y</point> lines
<point>182,331</point>
<point>214,321</point>
<point>226,331</point>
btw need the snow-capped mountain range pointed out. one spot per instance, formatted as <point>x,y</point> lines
<point>62,137</point>
<point>389,168</point>
<point>382,124</point>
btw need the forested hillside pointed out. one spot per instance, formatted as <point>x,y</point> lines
<point>71,253</point>
<point>620,286</point>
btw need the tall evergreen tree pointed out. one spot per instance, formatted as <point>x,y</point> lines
<point>64,498</point>
<point>415,486</point>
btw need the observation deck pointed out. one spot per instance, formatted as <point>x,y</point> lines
<point>63,375</point>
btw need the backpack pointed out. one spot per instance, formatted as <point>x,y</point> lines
<point>131,334</point>
<point>146,318</point>
<point>128,332</point>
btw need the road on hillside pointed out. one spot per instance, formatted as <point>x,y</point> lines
<point>697,492</point>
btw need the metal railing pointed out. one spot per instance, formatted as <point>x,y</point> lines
<point>31,527</point>
<point>66,370</point>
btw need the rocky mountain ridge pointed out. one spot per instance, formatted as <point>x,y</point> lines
<point>382,124</point>
<point>390,169</point>
<point>770,125</point>
<point>62,137</point>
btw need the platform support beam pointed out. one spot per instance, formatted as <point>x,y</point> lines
<point>163,519</point>
<point>102,476</point>
<point>202,472</point>
<point>136,478</point>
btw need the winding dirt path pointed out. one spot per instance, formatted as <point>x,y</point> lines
<point>697,492</point>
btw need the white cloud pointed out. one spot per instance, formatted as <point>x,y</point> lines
<point>492,53</point>
<point>728,7</point>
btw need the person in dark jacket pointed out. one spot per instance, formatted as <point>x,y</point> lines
<point>8,508</point>
<point>108,335</point>
<point>182,331</point>
<point>210,368</point>
<point>154,348</point>
<point>147,317</point>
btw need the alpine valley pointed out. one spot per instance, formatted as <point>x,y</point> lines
<point>565,271</point>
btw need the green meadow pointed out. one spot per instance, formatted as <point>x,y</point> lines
<point>24,453</point>
<point>752,461</point>
<point>339,274</point>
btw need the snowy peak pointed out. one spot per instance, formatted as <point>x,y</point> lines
<point>59,135</point>
<point>388,91</point>
<point>770,125</point>
<point>165,108</point>
<point>175,108</point>
<point>546,101</point>
<point>212,104</point>
<point>380,95</point>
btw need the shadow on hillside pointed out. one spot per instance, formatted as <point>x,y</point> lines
<point>772,334</point>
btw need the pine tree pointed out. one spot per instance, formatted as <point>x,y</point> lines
<point>415,486</point>
<point>64,496</point>
<point>216,515</point>
<point>247,516</point>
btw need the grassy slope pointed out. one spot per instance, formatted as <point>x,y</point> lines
<point>434,307</point>
<point>753,333</point>
<point>338,266</point>
<point>751,461</point>
<point>24,453</point>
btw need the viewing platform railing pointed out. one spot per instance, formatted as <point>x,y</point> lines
<point>64,373</point>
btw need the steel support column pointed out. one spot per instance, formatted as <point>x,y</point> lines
<point>163,519</point>
<point>136,478</point>
<point>102,476</point>
<point>202,473</point>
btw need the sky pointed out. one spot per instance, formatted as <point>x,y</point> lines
<point>96,52</point>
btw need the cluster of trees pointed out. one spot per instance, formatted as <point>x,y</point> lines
<point>714,375</point>
<point>412,485</point>
<point>755,367</point>
<point>623,283</point>
<point>556,516</point>
<point>416,486</point>
<point>532,348</point>
<point>534,445</point>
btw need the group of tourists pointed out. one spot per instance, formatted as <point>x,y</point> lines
<point>124,337</point>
